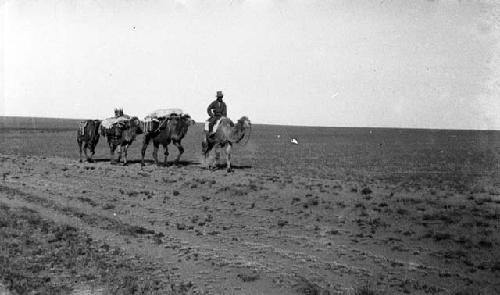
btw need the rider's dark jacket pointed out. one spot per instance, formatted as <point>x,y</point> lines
<point>217,109</point>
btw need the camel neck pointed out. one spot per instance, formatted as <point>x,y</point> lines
<point>237,131</point>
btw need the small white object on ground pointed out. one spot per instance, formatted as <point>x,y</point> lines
<point>294,141</point>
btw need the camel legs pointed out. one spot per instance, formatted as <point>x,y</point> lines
<point>80,146</point>
<point>181,150</point>
<point>165,154</point>
<point>124,150</point>
<point>145,144</point>
<point>204,152</point>
<point>92,152</point>
<point>205,160</point>
<point>112,149</point>
<point>85,146</point>
<point>206,144</point>
<point>155,152</point>
<point>206,148</point>
<point>120,151</point>
<point>228,157</point>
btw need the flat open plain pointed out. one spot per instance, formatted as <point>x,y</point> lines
<point>346,211</point>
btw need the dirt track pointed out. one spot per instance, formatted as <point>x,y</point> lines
<point>195,231</point>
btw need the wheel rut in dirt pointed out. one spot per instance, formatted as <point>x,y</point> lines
<point>251,231</point>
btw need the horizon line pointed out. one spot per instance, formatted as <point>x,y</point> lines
<point>284,125</point>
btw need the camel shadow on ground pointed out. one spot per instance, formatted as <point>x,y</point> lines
<point>182,163</point>
<point>173,163</point>
<point>233,167</point>
<point>150,162</point>
<point>138,161</point>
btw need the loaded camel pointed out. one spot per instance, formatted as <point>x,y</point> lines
<point>121,134</point>
<point>166,130</point>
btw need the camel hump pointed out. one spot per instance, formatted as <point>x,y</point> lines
<point>222,122</point>
<point>225,121</point>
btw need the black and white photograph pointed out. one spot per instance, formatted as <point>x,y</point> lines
<point>309,147</point>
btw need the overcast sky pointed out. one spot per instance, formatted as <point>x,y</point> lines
<point>427,64</point>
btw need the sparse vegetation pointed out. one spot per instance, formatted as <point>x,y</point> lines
<point>365,290</point>
<point>280,214</point>
<point>69,251</point>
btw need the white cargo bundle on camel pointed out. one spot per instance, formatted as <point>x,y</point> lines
<point>164,113</point>
<point>109,122</point>
<point>161,115</point>
<point>119,117</point>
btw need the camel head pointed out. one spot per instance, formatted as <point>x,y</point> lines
<point>242,128</point>
<point>244,122</point>
<point>135,123</point>
<point>183,121</point>
<point>187,119</point>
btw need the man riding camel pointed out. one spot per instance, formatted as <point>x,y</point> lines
<point>216,110</point>
<point>118,113</point>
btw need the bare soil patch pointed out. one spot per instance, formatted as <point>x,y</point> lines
<point>317,219</point>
